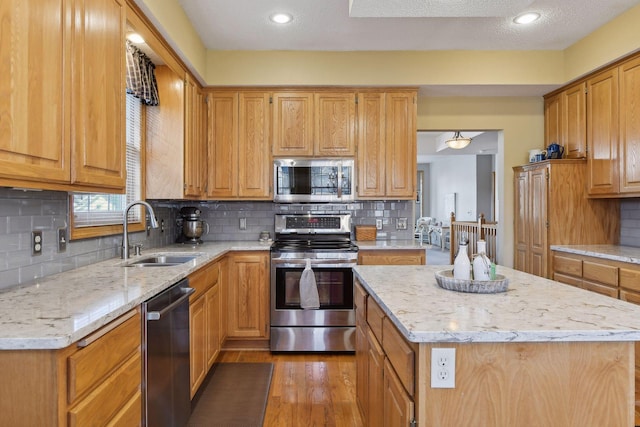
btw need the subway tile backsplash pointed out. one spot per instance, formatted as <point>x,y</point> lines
<point>21,212</point>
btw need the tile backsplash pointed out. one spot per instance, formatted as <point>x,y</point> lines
<point>22,212</point>
<point>630,222</point>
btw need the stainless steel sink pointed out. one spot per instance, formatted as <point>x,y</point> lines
<point>162,261</point>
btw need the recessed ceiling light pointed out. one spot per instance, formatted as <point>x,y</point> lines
<point>526,18</point>
<point>135,38</point>
<point>281,18</point>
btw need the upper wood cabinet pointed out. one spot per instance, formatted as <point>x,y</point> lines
<point>195,142</point>
<point>98,105</point>
<point>239,147</point>
<point>630,127</point>
<point>602,133</point>
<point>314,124</point>
<point>565,120</point>
<point>64,101</point>
<point>551,208</point>
<point>387,145</point>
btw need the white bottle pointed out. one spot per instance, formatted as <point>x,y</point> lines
<point>462,265</point>
<point>481,264</point>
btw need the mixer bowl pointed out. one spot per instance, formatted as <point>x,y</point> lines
<point>194,229</point>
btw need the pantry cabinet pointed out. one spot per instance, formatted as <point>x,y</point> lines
<point>551,208</point>
<point>387,145</point>
<point>239,146</point>
<point>66,130</point>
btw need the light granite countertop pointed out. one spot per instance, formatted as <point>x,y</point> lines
<point>613,252</point>
<point>533,309</point>
<point>59,310</point>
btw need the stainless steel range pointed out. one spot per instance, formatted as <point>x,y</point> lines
<point>325,241</point>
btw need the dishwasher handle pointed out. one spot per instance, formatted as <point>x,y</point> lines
<point>156,315</point>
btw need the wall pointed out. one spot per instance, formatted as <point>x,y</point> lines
<point>453,174</point>
<point>484,186</point>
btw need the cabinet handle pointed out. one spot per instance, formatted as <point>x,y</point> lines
<point>111,326</point>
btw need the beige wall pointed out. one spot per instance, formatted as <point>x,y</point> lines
<point>522,123</point>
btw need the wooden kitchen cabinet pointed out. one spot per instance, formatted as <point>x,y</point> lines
<point>335,124</point>
<point>565,120</point>
<point>629,135</point>
<point>247,304</point>
<point>72,134</point>
<point>551,208</point>
<point>97,378</point>
<point>292,124</point>
<point>204,322</point>
<point>392,257</point>
<point>239,146</point>
<point>195,141</point>
<point>387,145</point>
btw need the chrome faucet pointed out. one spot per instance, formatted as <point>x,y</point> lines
<point>125,224</point>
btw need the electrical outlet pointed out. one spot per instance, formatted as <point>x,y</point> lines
<point>401,224</point>
<point>36,242</point>
<point>62,239</point>
<point>378,224</point>
<point>443,368</point>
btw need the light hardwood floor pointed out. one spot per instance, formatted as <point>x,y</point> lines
<point>315,389</point>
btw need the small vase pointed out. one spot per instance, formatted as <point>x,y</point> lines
<point>481,264</point>
<point>462,264</point>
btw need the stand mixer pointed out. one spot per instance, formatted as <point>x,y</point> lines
<point>191,226</point>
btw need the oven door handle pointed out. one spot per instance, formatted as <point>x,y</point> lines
<point>326,263</point>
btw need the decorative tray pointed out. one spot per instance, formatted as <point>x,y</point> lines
<point>446,280</point>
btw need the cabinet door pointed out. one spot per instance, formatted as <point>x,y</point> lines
<point>371,145</point>
<point>34,136</point>
<point>98,85</point>
<point>223,144</point>
<point>248,305</point>
<point>574,124</point>
<point>400,135</point>
<point>521,223</point>
<point>362,367</point>
<point>335,124</point>
<point>195,149</point>
<point>197,343</point>
<point>254,149</point>
<point>553,120</point>
<point>602,133</point>
<point>377,399</point>
<point>292,124</point>
<point>398,406</point>
<point>538,196</point>
<point>630,126</point>
<point>212,310</point>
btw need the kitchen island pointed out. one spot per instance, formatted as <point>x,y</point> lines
<point>541,353</point>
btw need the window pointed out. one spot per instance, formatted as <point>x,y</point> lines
<point>95,214</point>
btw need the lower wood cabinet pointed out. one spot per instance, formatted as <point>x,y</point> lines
<point>392,257</point>
<point>385,371</point>
<point>204,322</point>
<point>247,296</point>
<point>96,380</point>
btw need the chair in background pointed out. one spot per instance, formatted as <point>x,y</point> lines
<point>422,230</point>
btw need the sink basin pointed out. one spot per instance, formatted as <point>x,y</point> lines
<point>162,261</point>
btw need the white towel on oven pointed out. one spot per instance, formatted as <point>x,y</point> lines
<point>308,289</point>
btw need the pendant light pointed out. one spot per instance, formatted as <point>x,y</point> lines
<point>458,141</point>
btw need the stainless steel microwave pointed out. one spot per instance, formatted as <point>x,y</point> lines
<point>313,180</point>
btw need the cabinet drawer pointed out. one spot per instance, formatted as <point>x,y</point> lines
<point>632,297</point>
<point>601,289</point>
<point>568,266</point>
<point>399,353</point>
<point>111,397</point>
<point>203,279</point>
<point>601,273</point>
<point>93,363</point>
<point>374,318</point>
<point>130,415</point>
<point>629,279</point>
<point>569,280</point>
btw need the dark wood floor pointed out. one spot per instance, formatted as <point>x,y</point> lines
<point>315,389</point>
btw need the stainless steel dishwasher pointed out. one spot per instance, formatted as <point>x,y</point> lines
<point>167,400</point>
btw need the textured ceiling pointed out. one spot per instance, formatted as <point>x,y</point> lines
<point>326,25</point>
